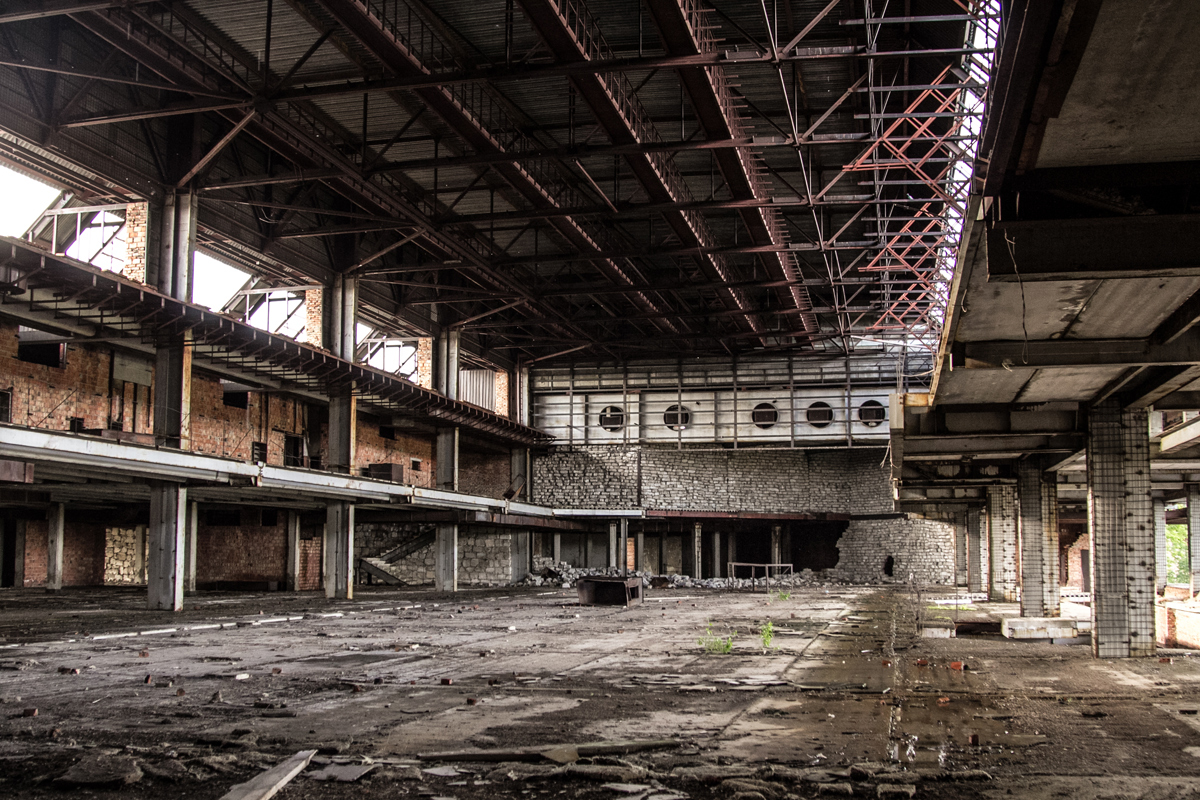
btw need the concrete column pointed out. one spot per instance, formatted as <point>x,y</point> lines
<point>19,547</point>
<point>519,469</point>
<point>624,547</point>
<point>168,529</point>
<point>1121,524</point>
<point>714,558</point>
<point>446,569</point>
<point>173,394</point>
<point>695,552</point>
<point>340,323</point>
<point>292,577</point>
<point>1037,496</point>
<point>977,551</point>
<point>1193,516</point>
<point>557,545</point>
<point>446,363</point>
<point>1002,536</point>
<point>1160,545</point>
<point>339,550</point>
<point>776,544</point>
<point>177,241</point>
<point>189,550</point>
<point>612,543</point>
<point>447,459</point>
<point>731,548</point>
<point>56,523</point>
<point>960,550</point>
<point>342,431</point>
<point>639,551</point>
<point>521,554</point>
<point>139,553</point>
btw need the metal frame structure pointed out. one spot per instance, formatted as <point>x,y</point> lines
<point>556,179</point>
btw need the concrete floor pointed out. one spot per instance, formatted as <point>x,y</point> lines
<point>239,682</point>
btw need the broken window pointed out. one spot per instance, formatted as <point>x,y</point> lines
<point>6,406</point>
<point>293,451</point>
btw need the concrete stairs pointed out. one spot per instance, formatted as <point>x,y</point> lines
<point>380,567</point>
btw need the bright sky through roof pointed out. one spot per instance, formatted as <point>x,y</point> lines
<point>22,200</point>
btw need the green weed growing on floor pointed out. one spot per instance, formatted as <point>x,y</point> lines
<point>766,632</point>
<point>781,596</point>
<point>712,643</point>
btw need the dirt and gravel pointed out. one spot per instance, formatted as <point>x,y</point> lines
<point>552,699</point>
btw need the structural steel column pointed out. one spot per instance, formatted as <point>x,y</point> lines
<point>961,561</point>
<point>168,528</point>
<point>1002,536</point>
<point>339,550</point>
<point>447,459</point>
<point>1193,516</point>
<point>1160,545</point>
<point>292,577</point>
<point>715,556</point>
<point>695,552</point>
<point>446,547</point>
<point>55,526</point>
<point>1121,524</point>
<point>1038,501</point>
<point>189,548</point>
<point>612,543</point>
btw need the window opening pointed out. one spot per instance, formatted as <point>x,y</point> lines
<point>819,415</point>
<point>677,418</point>
<point>612,418</point>
<point>764,415</point>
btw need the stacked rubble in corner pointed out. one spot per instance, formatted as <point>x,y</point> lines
<point>563,575</point>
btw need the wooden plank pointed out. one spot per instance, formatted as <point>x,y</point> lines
<point>268,783</point>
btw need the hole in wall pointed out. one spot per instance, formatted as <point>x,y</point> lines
<point>872,413</point>
<point>764,415</point>
<point>889,566</point>
<point>677,418</point>
<point>612,418</point>
<point>819,415</point>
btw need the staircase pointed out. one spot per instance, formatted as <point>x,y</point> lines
<point>380,567</point>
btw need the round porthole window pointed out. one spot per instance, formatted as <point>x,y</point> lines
<point>612,418</point>
<point>764,415</point>
<point>819,415</point>
<point>677,417</point>
<point>872,413</point>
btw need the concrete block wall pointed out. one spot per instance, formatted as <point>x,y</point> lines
<point>922,550</point>
<point>484,557</point>
<point>595,477</point>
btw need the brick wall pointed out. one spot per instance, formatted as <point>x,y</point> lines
<point>501,404</point>
<point>48,397</point>
<point>1075,560</point>
<point>371,448</point>
<point>136,230</point>
<point>314,318</point>
<point>228,431</point>
<point>484,474</point>
<point>424,374</point>
<point>241,552</point>
<point>83,553</point>
<point>310,565</point>
<point>921,549</point>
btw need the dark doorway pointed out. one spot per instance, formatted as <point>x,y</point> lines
<point>8,553</point>
<point>814,544</point>
<point>889,566</point>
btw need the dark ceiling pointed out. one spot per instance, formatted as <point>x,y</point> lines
<point>614,179</point>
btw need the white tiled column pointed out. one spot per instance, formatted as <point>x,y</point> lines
<point>1002,536</point>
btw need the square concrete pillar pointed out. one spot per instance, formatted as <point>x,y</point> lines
<point>624,547</point>
<point>521,556</point>
<point>56,525</point>
<point>557,548</point>
<point>714,557</point>
<point>1160,545</point>
<point>977,551</point>
<point>1037,496</point>
<point>140,550</point>
<point>1121,524</point>
<point>447,459</point>
<point>292,575</point>
<point>189,548</point>
<point>168,530</point>
<point>731,549</point>
<point>613,540</point>
<point>961,561</point>
<point>776,545</point>
<point>342,430</point>
<point>639,551</point>
<point>1002,536</point>
<point>446,553</point>
<point>1193,517</point>
<point>694,555</point>
<point>339,550</point>
<point>19,552</point>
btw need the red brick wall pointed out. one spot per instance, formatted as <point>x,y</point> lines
<point>486,474</point>
<point>83,553</point>
<point>227,431</point>
<point>47,397</point>
<point>241,553</point>
<point>310,565</point>
<point>1075,561</point>
<point>371,448</point>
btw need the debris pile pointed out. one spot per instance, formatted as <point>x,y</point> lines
<point>565,576</point>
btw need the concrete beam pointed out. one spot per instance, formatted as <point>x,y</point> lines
<point>168,527</point>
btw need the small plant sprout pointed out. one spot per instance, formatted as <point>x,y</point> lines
<point>766,632</point>
<point>712,643</point>
<point>781,596</point>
